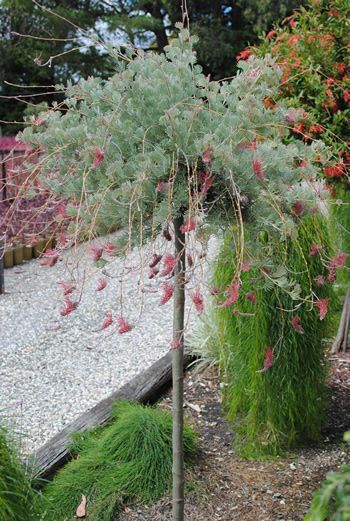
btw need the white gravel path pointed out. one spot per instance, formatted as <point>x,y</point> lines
<point>53,368</point>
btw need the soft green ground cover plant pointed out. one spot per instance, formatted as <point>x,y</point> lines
<point>128,461</point>
<point>18,501</point>
<point>271,351</point>
<point>332,501</point>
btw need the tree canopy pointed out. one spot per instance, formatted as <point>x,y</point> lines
<point>223,26</point>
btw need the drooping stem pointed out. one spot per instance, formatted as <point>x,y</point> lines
<point>177,369</point>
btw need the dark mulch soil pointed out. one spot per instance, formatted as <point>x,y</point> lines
<point>224,487</point>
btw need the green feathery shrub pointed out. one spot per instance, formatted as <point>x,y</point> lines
<point>275,408</point>
<point>332,501</point>
<point>128,461</point>
<point>18,501</point>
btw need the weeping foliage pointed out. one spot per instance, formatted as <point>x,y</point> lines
<point>274,409</point>
<point>18,501</point>
<point>128,461</point>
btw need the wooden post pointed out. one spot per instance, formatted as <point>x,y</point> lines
<point>177,369</point>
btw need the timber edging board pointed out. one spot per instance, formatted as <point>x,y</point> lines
<point>146,387</point>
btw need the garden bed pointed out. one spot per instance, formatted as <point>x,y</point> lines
<point>224,487</point>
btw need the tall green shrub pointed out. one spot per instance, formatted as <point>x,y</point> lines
<point>275,408</point>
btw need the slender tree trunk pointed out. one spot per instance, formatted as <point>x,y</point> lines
<point>177,369</point>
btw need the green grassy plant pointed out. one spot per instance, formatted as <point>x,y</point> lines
<point>128,461</point>
<point>18,501</point>
<point>275,409</point>
<point>332,501</point>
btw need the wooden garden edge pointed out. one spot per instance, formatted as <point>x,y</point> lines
<point>147,387</point>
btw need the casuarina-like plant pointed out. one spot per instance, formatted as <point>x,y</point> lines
<point>169,155</point>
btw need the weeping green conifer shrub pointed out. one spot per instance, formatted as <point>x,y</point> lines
<point>128,461</point>
<point>273,409</point>
<point>18,501</point>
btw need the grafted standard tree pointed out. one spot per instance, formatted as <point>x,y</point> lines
<point>161,150</point>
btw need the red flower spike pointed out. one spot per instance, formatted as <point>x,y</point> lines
<point>167,235</point>
<point>102,283</point>
<point>96,252</point>
<point>155,260</point>
<point>320,280</point>
<point>68,308</point>
<point>245,266</point>
<point>189,261</point>
<point>153,273</point>
<point>197,299</point>
<point>334,171</point>
<point>322,305</point>
<point>188,226</point>
<point>233,291</point>
<point>258,169</point>
<point>295,321</point>
<point>62,239</point>
<point>298,208</point>
<point>338,261</point>
<point>124,326</point>
<point>176,344</point>
<point>169,262</point>
<point>50,258</point>
<point>207,156</point>
<point>268,360</point>
<point>207,181</point>
<point>168,291</point>
<point>332,276</point>
<point>110,249</point>
<point>244,55</point>
<point>98,158</point>
<point>251,297</point>
<point>67,287</point>
<point>108,321</point>
<point>61,210</point>
<point>271,34</point>
<point>315,250</point>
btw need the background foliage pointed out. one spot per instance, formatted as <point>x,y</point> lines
<point>224,28</point>
<point>313,51</point>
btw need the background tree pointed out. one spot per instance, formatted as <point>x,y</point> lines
<point>26,61</point>
<point>225,27</point>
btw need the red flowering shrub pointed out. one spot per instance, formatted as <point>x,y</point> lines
<point>313,49</point>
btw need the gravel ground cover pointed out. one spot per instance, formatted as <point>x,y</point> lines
<point>53,368</point>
